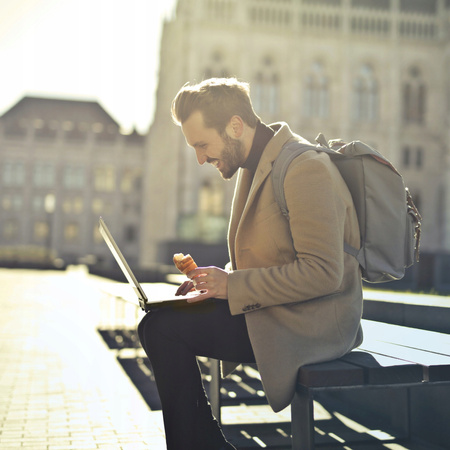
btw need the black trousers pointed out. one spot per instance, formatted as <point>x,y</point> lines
<point>172,338</point>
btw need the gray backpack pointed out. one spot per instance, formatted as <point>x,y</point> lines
<point>389,221</point>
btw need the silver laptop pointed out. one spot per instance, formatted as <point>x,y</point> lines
<point>147,301</point>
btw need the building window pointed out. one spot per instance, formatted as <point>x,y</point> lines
<point>316,102</point>
<point>102,206</point>
<point>98,238</point>
<point>13,173</point>
<point>323,2</point>
<point>269,16</point>
<point>44,175</point>
<point>16,128</point>
<point>43,129</point>
<point>97,127</point>
<point>419,6</point>
<point>71,232</point>
<point>266,90</point>
<point>216,66</point>
<point>38,203</point>
<point>130,233</point>
<point>77,132</point>
<point>68,125</point>
<point>130,181</point>
<point>105,133</point>
<point>41,231</point>
<point>406,156</point>
<point>12,202</point>
<point>97,206</point>
<point>105,179</point>
<point>413,158</point>
<point>371,4</point>
<point>222,10</point>
<point>10,229</point>
<point>130,206</point>
<point>73,205</point>
<point>74,177</point>
<point>365,95</point>
<point>211,198</point>
<point>210,224</point>
<point>419,157</point>
<point>414,97</point>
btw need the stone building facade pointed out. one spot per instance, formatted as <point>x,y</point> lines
<point>64,163</point>
<point>374,70</point>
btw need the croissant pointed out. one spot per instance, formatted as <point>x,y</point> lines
<point>184,263</point>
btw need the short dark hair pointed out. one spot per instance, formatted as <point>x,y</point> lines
<point>218,99</point>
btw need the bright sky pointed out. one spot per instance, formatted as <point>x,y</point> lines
<point>106,50</point>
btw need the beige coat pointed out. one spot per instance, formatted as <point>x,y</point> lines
<point>301,293</point>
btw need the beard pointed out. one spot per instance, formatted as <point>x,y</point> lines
<point>232,157</point>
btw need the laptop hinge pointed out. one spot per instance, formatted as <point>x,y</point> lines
<point>142,298</point>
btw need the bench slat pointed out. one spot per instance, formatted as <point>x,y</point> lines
<point>430,341</point>
<point>437,367</point>
<point>333,373</point>
<point>439,373</point>
<point>383,369</point>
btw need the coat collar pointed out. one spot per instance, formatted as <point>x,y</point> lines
<point>283,134</point>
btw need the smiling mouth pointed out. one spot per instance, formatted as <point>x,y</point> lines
<point>214,162</point>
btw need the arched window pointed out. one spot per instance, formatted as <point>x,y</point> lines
<point>266,90</point>
<point>365,95</point>
<point>216,66</point>
<point>414,97</point>
<point>316,92</point>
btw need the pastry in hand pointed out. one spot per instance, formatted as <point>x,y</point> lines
<point>184,263</point>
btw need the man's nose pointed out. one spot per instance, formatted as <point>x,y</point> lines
<point>201,156</point>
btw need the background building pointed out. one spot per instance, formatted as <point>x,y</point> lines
<point>374,70</point>
<point>63,163</point>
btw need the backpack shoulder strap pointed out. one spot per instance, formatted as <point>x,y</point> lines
<point>280,166</point>
<point>287,154</point>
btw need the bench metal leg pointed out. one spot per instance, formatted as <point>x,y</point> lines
<point>214,388</point>
<point>302,420</point>
<point>399,411</point>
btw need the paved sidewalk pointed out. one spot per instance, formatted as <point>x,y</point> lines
<point>60,386</point>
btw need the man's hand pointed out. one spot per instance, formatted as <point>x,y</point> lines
<point>211,282</point>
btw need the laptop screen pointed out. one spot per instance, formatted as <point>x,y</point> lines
<point>104,231</point>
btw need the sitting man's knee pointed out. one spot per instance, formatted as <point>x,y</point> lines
<point>141,329</point>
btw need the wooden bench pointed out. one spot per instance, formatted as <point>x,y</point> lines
<point>391,357</point>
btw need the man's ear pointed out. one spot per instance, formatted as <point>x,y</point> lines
<point>235,127</point>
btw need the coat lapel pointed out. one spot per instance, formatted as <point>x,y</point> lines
<point>240,196</point>
<point>247,187</point>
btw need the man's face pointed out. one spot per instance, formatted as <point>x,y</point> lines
<point>222,151</point>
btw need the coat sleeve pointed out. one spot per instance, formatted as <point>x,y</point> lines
<point>318,202</point>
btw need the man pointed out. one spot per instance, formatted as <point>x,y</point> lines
<point>291,296</point>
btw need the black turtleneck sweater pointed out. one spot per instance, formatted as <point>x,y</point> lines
<point>262,137</point>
